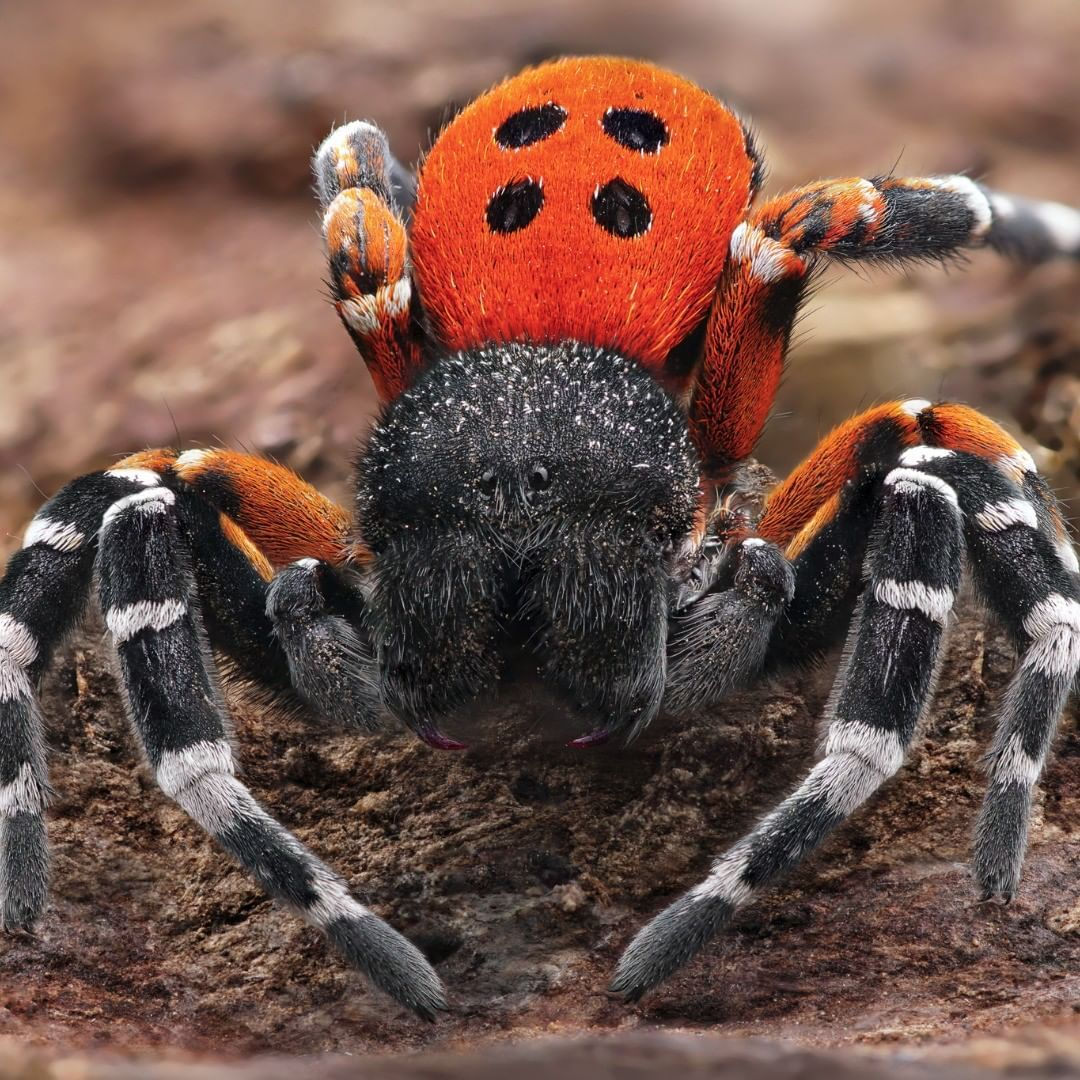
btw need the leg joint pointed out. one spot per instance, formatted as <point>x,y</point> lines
<point>177,770</point>
<point>880,748</point>
<point>25,794</point>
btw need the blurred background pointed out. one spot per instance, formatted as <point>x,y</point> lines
<point>161,267</point>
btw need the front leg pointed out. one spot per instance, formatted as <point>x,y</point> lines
<point>150,602</point>
<point>359,184</point>
<point>914,569</point>
<point>720,640</point>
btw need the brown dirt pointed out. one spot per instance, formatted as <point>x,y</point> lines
<point>521,867</point>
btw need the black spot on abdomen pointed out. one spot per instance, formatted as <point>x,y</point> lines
<point>621,209</point>
<point>530,126</point>
<point>513,206</point>
<point>636,129</point>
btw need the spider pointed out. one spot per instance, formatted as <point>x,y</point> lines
<point>576,322</point>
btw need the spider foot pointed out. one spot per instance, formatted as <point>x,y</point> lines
<point>355,155</point>
<point>391,962</point>
<point>24,873</point>
<point>663,945</point>
<point>1000,842</point>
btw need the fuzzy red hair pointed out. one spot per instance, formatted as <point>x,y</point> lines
<point>563,276</point>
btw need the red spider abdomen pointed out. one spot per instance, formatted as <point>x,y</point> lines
<point>587,199</point>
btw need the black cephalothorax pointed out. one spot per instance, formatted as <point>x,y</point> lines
<point>558,484</point>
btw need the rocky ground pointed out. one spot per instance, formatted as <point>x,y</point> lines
<point>159,280</point>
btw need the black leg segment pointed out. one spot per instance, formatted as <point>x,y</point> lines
<point>42,596</point>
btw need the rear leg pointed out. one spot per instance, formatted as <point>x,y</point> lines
<point>774,253</point>
<point>1025,572</point>
<point>43,595</point>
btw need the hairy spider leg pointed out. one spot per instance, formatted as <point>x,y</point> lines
<point>368,252</point>
<point>1011,520</point>
<point>43,594</point>
<point>149,600</point>
<point>302,631</point>
<point>284,517</point>
<point>155,535</point>
<point>1007,528</point>
<point>720,641</point>
<point>775,251</point>
<point>885,682</point>
<point>295,635</point>
<point>802,504</point>
<point>844,557</point>
<point>317,615</point>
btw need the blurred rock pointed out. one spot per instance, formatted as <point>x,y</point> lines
<point>653,1054</point>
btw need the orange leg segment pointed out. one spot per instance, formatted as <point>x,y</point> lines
<point>367,247</point>
<point>267,512</point>
<point>772,257</point>
<point>797,509</point>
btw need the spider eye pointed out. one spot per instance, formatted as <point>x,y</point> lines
<point>539,478</point>
<point>621,209</point>
<point>530,126</point>
<point>488,482</point>
<point>512,207</point>
<point>636,129</point>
